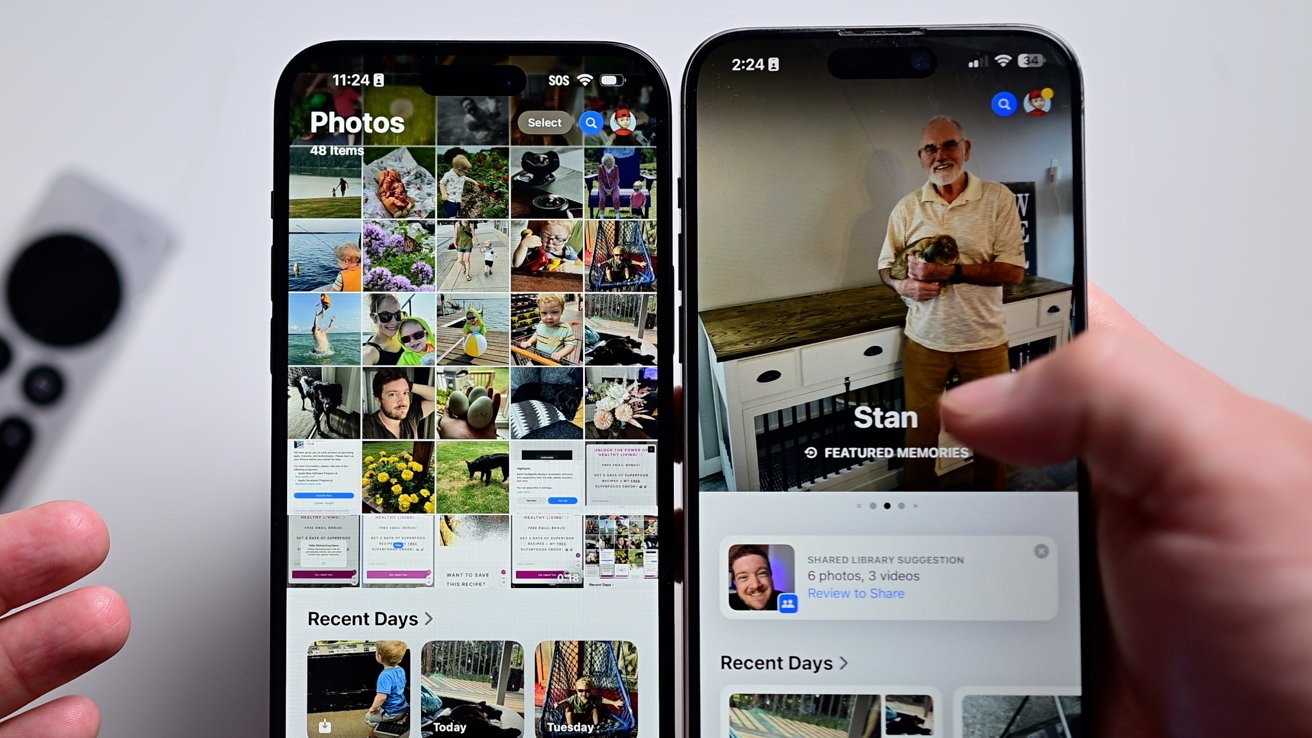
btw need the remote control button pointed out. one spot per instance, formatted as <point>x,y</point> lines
<point>15,440</point>
<point>88,296</point>
<point>6,355</point>
<point>43,385</point>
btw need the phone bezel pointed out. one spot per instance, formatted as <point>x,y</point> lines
<point>669,437</point>
<point>1093,628</point>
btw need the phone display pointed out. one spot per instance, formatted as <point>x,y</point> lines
<point>874,217</point>
<point>473,421</point>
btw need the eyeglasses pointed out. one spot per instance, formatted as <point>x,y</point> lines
<point>385,316</point>
<point>949,146</point>
<point>416,336</point>
<point>555,239</point>
<point>583,691</point>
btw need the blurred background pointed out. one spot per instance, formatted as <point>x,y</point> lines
<point>1196,151</point>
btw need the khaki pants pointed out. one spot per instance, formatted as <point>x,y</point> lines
<point>924,375</point>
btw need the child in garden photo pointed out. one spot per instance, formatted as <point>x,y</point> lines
<point>452,184</point>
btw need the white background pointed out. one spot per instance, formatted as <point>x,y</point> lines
<point>1198,158</point>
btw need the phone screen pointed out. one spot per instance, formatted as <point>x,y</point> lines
<point>859,572</point>
<point>475,318</point>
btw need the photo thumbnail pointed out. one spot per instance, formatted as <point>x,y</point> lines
<point>472,181</point>
<point>357,689</point>
<point>473,329</point>
<point>399,403</point>
<point>620,329</point>
<point>758,574</point>
<point>316,100</point>
<point>620,182</point>
<point>324,255</point>
<point>621,255</point>
<point>545,403</point>
<point>473,402</point>
<point>473,477</point>
<point>323,550</point>
<point>622,403</point>
<point>811,715</point>
<point>399,182</point>
<point>473,551</point>
<point>323,185</point>
<point>397,550</point>
<point>395,329</point>
<point>1019,716</point>
<point>473,256</point>
<point>472,688</point>
<point>546,329</point>
<point>398,256</point>
<point>322,328</point>
<point>473,120</point>
<point>398,477</point>
<point>547,255</point>
<point>323,402</point>
<point>586,683</point>
<point>621,547</point>
<point>908,714</point>
<point>401,98</point>
<point>547,182</point>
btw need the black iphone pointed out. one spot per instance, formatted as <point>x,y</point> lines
<point>473,426</point>
<point>872,217</point>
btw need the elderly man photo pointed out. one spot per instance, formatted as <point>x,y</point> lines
<point>954,314</point>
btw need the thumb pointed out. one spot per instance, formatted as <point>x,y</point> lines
<point>1151,425</point>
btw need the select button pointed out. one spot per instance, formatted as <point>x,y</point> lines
<point>544,122</point>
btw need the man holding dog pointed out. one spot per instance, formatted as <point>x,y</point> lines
<point>398,416</point>
<point>954,311</point>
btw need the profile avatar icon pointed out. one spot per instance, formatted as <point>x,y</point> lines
<point>1038,102</point>
<point>621,122</point>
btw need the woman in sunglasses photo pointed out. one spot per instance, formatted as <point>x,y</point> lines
<point>384,347</point>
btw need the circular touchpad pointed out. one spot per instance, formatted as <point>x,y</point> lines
<point>64,290</point>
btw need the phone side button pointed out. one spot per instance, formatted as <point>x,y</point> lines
<point>273,367</point>
<point>683,262</point>
<point>683,338</point>
<point>679,192</point>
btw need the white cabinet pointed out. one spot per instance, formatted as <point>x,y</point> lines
<point>773,395</point>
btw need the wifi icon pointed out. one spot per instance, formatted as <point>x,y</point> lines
<point>584,79</point>
<point>1002,59</point>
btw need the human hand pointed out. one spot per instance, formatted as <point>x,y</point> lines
<point>917,290</point>
<point>1203,514</point>
<point>927,271</point>
<point>44,549</point>
<point>459,428</point>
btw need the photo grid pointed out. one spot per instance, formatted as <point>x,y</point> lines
<point>472,384</point>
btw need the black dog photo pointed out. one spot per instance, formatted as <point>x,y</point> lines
<point>323,402</point>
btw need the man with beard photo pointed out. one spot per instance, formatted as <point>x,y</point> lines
<point>753,580</point>
<point>398,415</point>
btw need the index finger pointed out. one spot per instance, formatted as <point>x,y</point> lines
<point>47,548</point>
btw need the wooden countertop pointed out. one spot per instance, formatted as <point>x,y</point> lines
<point>741,331</point>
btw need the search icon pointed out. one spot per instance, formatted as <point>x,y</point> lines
<point>1004,104</point>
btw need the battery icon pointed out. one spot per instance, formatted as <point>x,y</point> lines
<point>772,64</point>
<point>378,79</point>
<point>1029,60</point>
<point>612,80</point>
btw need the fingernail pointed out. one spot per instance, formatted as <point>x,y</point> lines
<point>980,396</point>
